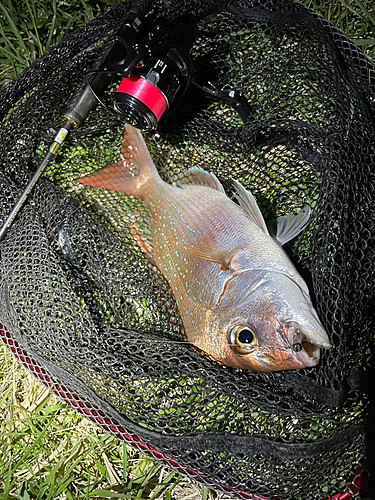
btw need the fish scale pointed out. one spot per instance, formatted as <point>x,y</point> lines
<point>239,296</point>
<point>187,274</point>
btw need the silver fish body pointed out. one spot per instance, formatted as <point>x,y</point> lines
<point>239,295</point>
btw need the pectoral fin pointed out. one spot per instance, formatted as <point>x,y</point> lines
<point>215,255</point>
<point>287,227</point>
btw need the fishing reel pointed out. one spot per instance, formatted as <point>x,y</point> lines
<point>152,59</point>
<point>160,73</point>
<point>155,71</point>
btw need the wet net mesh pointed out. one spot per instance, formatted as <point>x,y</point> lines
<point>86,313</point>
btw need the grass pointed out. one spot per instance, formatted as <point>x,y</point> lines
<point>46,450</point>
<point>49,452</point>
<point>28,28</point>
<point>356,18</point>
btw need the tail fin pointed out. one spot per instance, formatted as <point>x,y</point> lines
<point>133,171</point>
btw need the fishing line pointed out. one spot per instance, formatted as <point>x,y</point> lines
<point>56,227</point>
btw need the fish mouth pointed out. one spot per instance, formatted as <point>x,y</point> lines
<point>309,355</point>
<point>309,348</point>
<point>305,350</point>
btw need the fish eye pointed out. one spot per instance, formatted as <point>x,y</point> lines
<point>242,339</point>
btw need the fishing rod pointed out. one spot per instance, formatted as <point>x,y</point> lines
<point>152,58</point>
<point>85,98</point>
<point>154,75</point>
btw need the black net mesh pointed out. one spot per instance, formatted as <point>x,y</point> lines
<point>83,309</point>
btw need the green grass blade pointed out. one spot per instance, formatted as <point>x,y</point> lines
<point>112,494</point>
<point>53,24</point>
<point>14,28</point>
<point>164,484</point>
<point>6,394</point>
<point>364,41</point>
<point>205,492</point>
<point>365,11</point>
<point>23,494</point>
<point>33,17</point>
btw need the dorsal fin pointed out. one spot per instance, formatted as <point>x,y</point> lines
<point>250,206</point>
<point>196,175</point>
<point>287,227</point>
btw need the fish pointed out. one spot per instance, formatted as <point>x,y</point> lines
<point>241,299</point>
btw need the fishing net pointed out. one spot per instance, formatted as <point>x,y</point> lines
<point>91,318</point>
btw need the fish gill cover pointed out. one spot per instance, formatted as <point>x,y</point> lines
<point>85,311</point>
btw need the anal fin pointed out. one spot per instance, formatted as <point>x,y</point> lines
<point>144,243</point>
